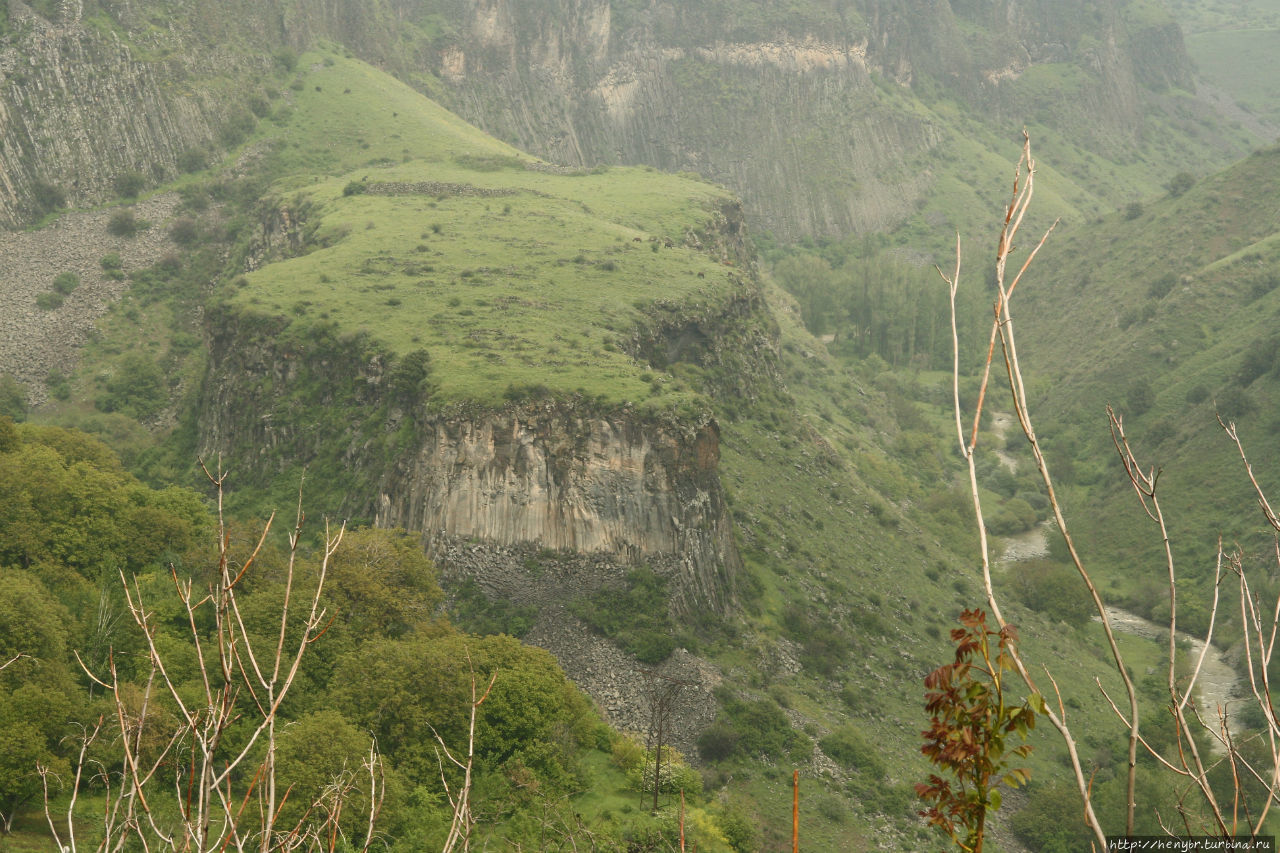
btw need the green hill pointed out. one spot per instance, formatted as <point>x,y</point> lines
<point>1165,314</point>
<point>437,237</point>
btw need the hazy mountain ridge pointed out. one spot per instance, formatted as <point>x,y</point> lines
<point>825,120</point>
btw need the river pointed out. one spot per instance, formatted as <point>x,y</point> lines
<point>1218,681</point>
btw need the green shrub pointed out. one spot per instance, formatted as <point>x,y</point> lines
<point>184,231</point>
<point>1234,402</point>
<point>751,728</point>
<point>718,741</point>
<point>13,398</point>
<point>478,614</point>
<point>636,616</point>
<point>48,197</point>
<point>1180,183</point>
<point>1014,516</point>
<point>1139,398</point>
<point>123,223</point>
<point>824,647</point>
<point>740,831</point>
<point>66,282</point>
<point>1050,821</point>
<point>58,384</point>
<point>49,301</point>
<point>1259,359</point>
<point>238,127</point>
<point>193,160</point>
<point>286,59</point>
<point>849,748</point>
<point>137,388</point>
<point>1052,588</point>
<point>1161,287</point>
<point>129,184</point>
<point>354,188</point>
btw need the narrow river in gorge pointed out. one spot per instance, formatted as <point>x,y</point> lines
<point>1218,680</point>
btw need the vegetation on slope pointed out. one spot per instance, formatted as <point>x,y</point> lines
<point>1179,303</point>
<point>508,276</point>
<point>842,489</point>
<point>388,664</point>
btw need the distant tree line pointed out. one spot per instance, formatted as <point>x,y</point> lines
<point>873,303</point>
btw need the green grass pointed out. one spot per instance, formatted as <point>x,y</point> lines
<point>508,277</point>
<point>1244,62</point>
<point>345,115</point>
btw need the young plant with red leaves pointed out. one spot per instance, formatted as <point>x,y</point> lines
<point>968,732</point>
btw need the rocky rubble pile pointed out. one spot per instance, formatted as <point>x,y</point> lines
<point>619,684</point>
<point>34,341</point>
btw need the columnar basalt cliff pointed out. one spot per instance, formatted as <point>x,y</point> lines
<point>809,115</point>
<point>816,116</point>
<point>633,485</point>
<point>562,475</point>
<point>80,107</point>
<point>547,475</point>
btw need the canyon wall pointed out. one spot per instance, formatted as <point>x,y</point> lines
<point>560,475</point>
<point>819,116</point>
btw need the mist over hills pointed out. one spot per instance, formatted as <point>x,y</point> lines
<point>510,277</point>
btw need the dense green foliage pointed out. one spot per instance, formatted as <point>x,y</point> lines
<point>635,616</point>
<point>478,613</point>
<point>73,522</point>
<point>872,303</point>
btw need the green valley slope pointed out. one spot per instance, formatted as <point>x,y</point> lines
<point>412,311</point>
<point>1168,316</point>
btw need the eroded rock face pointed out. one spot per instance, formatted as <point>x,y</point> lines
<point>678,85</point>
<point>591,483</point>
<point>79,107</point>
<point>687,86</point>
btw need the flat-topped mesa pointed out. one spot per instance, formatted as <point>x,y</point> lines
<point>570,475</point>
<point>555,477</point>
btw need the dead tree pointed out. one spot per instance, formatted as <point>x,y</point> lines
<point>662,692</point>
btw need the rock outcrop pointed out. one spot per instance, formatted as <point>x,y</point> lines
<point>552,477</point>
<point>640,489</point>
<point>813,115</point>
<point>816,115</point>
<point>80,107</point>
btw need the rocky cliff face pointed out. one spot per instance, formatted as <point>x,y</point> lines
<point>552,477</point>
<point>811,117</point>
<point>565,476</point>
<point>80,106</point>
<point>815,114</point>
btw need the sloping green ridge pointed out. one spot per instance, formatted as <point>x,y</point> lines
<point>1164,316</point>
<point>426,234</point>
